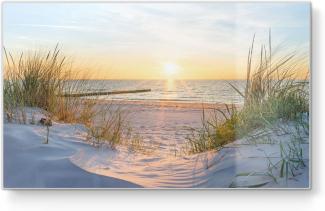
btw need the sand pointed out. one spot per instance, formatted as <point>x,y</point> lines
<point>30,164</point>
<point>69,161</point>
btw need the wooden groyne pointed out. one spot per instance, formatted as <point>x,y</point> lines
<point>105,93</point>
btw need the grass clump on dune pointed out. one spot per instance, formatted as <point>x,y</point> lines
<point>108,124</point>
<point>215,132</point>
<point>34,79</point>
<point>40,79</point>
<point>272,93</point>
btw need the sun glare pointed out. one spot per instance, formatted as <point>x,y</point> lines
<point>171,69</point>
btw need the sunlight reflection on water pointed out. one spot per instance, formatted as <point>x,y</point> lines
<point>210,91</point>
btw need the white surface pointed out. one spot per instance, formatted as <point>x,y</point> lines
<point>67,161</point>
<point>202,200</point>
<point>30,164</point>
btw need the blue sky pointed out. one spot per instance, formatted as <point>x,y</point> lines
<point>147,35</point>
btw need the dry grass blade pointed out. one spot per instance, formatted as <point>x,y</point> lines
<point>272,93</point>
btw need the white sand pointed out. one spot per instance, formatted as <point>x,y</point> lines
<point>67,161</point>
<point>30,164</point>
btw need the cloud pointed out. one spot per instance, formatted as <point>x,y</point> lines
<point>160,30</point>
<point>55,27</point>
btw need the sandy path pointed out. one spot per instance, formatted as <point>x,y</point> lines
<point>164,127</point>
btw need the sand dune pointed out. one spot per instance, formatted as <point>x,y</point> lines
<point>30,164</point>
<point>67,161</point>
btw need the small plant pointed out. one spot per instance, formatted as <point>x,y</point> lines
<point>23,116</point>
<point>87,111</point>
<point>10,116</point>
<point>48,123</point>
<point>215,132</point>
<point>32,121</point>
<point>136,144</point>
<point>287,165</point>
<point>108,127</point>
<point>291,158</point>
<point>47,134</point>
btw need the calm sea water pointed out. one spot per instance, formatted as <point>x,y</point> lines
<point>209,91</point>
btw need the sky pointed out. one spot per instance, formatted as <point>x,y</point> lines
<point>156,40</point>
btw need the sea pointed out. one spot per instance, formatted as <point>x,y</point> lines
<point>190,91</point>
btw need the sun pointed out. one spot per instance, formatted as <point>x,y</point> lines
<point>171,69</point>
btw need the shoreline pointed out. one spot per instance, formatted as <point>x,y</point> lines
<point>167,104</point>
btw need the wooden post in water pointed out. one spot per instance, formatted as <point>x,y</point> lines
<point>105,93</point>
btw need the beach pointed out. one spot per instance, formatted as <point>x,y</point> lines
<point>161,105</point>
<point>70,161</point>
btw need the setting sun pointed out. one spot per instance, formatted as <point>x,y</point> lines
<point>171,69</point>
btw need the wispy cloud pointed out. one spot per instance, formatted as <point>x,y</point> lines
<point>161,31</point>
<point>54,27</point>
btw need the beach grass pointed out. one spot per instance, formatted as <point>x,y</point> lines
<point>47,80</point>
<point>107,126</point>
<point>34,79</point>
<point>215,131</point>
<point>273,92</point>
